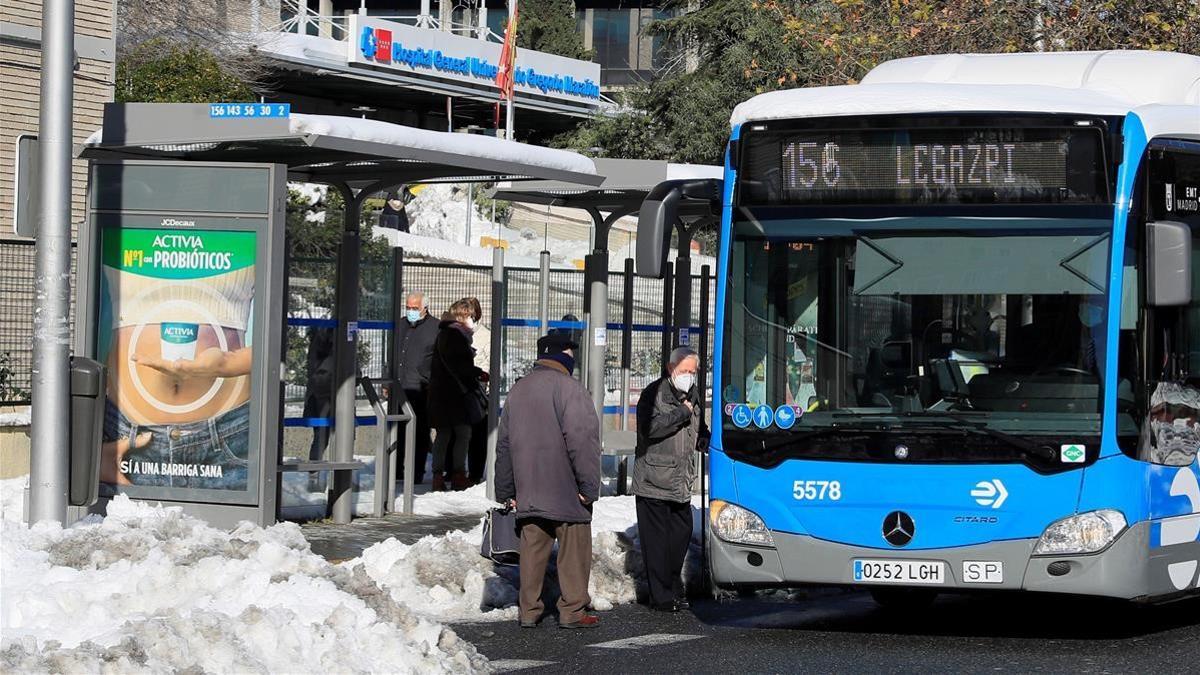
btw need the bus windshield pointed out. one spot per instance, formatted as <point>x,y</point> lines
<point>880,327</point>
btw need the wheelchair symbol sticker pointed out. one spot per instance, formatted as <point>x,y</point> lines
<point>741,416</point>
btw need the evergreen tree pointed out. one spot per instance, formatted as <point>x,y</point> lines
<point>155,72</point>
<point>549,26</point>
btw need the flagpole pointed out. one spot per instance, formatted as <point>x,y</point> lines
<point>508,117</point>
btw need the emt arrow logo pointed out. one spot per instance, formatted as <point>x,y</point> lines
<point>990,493</point>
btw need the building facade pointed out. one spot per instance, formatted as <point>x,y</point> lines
<point>20,85</point>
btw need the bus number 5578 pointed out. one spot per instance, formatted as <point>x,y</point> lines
<point>817,490</point>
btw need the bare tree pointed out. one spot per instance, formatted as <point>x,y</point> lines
<point>228,29</point>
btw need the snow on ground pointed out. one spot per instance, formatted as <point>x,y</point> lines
<point>148,589</point>
<point>304,499</point>
<point>445,577</point>
<point>17,418</point>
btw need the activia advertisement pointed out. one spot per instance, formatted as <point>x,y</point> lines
<point>175,331</point>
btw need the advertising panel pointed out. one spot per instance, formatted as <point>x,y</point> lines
<point>176,315</point>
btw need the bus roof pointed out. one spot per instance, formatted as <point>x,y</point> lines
<point>1099,83</point>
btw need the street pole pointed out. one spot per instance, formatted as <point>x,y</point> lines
<point>50,437</point>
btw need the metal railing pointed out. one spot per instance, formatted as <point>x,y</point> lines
<point>297,18</point>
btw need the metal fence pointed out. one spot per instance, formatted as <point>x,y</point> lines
<point>311,308</point>
<point>17,299</point>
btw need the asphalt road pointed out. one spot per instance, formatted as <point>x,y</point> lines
<point>835,631</point>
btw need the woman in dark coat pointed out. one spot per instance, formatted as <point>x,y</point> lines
<point>453,403</point>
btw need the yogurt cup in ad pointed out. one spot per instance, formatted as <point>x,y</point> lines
<point>178,340</point>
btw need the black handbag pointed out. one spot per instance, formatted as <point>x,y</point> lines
<point>501,543</point>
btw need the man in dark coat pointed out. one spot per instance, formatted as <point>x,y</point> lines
<point>670,429</point>
<point>415,335</point>
<point>548,467</point>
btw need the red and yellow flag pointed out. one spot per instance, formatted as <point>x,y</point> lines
<point>505,76</point>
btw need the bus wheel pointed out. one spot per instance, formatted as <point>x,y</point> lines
<point>903,598</point>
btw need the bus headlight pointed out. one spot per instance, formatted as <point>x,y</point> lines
<point>1083,533</point>
<point>736,525</point>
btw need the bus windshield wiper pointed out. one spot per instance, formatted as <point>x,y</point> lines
<point>963,421</point>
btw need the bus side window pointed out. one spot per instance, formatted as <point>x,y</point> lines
<point>1170,429</point>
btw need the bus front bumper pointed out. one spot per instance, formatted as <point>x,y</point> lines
<point>1119,571</point>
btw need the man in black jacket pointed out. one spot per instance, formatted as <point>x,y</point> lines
<point>548,467</point>
<point>415,334</point>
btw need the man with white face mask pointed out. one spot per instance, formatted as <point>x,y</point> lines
<point>670,428</point>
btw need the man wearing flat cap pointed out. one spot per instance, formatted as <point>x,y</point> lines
<point>548,467</point>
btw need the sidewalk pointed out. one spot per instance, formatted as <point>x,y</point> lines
<point>336,543</point>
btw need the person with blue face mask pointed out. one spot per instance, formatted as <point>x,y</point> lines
<point>415,335</point>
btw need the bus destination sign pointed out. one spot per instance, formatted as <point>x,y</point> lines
<point>957,165</point>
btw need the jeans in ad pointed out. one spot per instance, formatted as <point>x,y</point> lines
<point>208,455</point>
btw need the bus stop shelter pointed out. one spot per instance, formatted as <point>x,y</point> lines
<point>626,183</point>
<point>357,157</point>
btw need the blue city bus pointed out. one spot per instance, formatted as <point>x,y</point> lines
<point>957,335</point>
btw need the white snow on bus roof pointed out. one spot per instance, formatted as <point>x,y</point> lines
<point>1104,83</point>
<point>470,145</point>
<point>1170,121</point>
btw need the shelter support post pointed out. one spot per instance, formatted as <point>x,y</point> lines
<point>683,288</point>
<point>626,341</point>
<point>544,294</point>
<point>346,355</point>
<point>667,317</point>
<point>595,274</point>
<point>49,461</point>
<point>499,293</point>
<point>396,400</point>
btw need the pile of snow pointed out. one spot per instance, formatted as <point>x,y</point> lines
<point>444,576</point>
<point>150,589</point>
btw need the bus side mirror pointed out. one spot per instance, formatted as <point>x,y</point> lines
<point>1169,258</point>
<point>659,213</point>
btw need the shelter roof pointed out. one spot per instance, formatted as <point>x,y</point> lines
<point>325,148</point>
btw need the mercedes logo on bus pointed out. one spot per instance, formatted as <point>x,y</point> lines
<point>898,528</point>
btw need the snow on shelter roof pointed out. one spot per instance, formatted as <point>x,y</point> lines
<point>1102,83</point>
<point>325,148</point>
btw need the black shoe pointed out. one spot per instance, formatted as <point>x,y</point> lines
<point>682,604</point>
<point>664,607</point>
